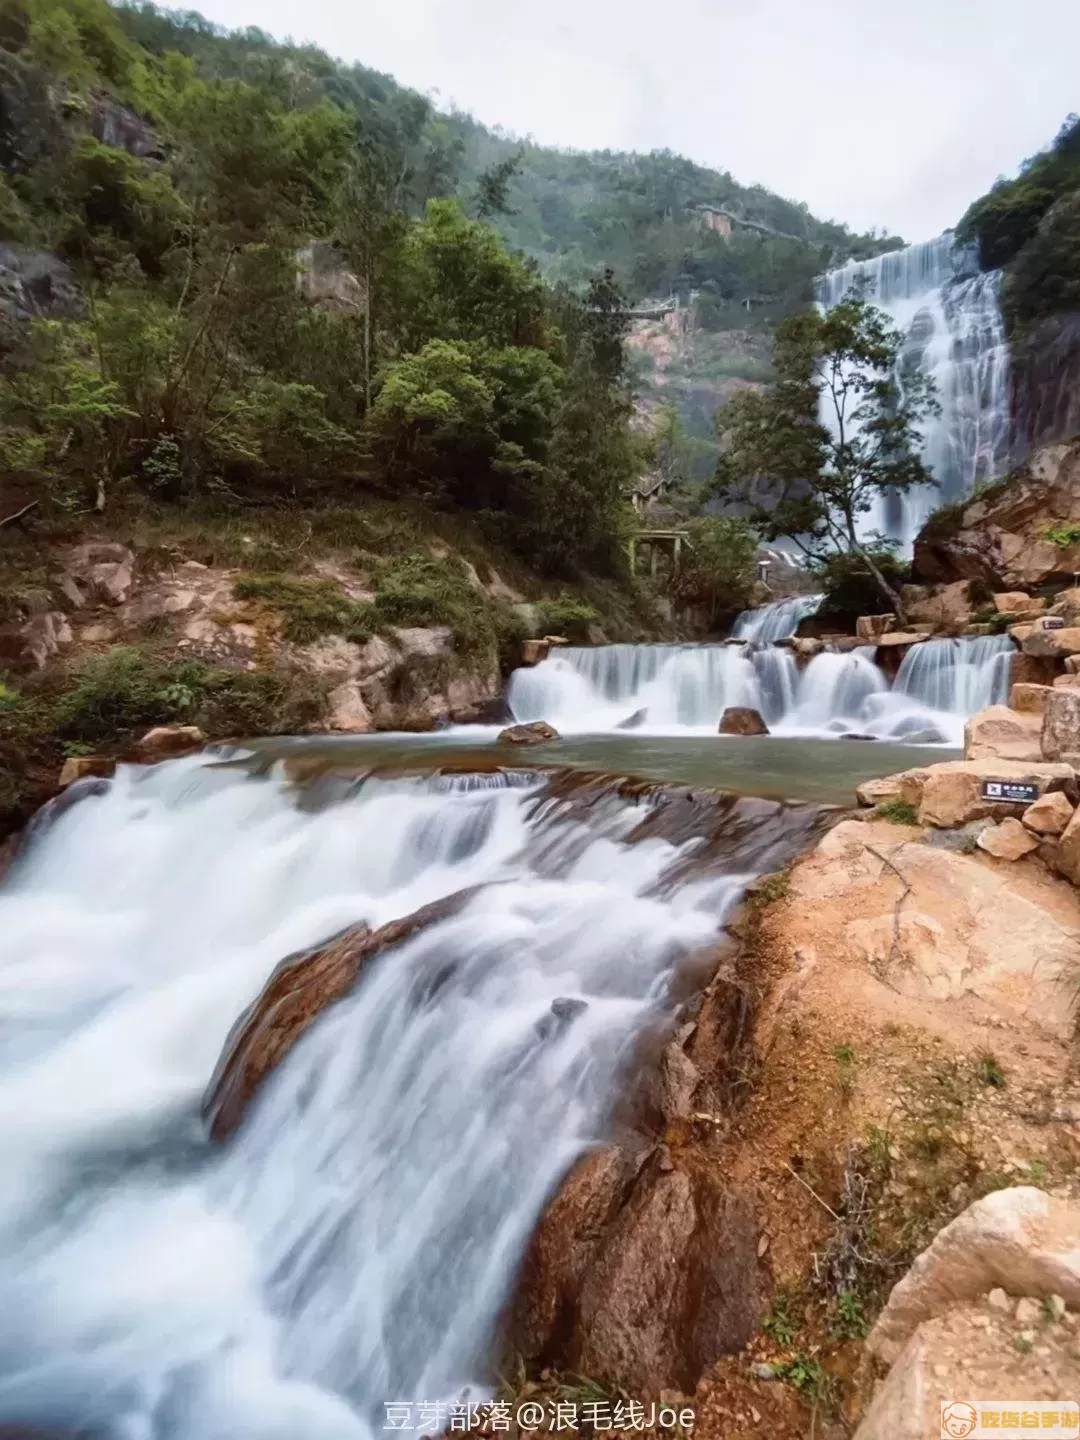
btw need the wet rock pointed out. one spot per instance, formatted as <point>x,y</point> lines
<point>78,767</point>
<point>926,735</point>
<point>534,651</point>
<point>634,721</point>
<point>742,720</point>
<point>1020,1239</point>
<point>165,742</point>
<point>475,699</point>
<point>298,991</point>
<point>1050,814</point>
<point>1031,698</point>
<point>1007,840</point>
<point>1003,734</point>
<point>1061,724</point>
<point>534,732</point>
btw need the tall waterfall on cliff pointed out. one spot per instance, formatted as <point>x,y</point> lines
<point>355,1242</point>
<point>950,314</point>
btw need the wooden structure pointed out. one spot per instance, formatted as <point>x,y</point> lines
<point>657,541</point>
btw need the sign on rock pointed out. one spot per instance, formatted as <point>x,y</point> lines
<point>1053,622</point>
<point>1010,792</point>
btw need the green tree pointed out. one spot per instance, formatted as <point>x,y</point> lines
<point>814,475</point>
<point>717,575</point>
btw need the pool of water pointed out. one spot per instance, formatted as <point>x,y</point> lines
<point>824,771</point>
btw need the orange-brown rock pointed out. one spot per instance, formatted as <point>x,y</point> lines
<point>1029,697</point>
<point>297,993</point>
<point>742,720</point>
<point>1008,840</point>
<point>535,732</point>
<point>533,651</point>
<point>1049,815</point>
<point>1061,724</point>
<point>869,627</point>
<point>164,742</point>
<point>1011,602</point>
<point>78,767</point>
<point>1003,734</point>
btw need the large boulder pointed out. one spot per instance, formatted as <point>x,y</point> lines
<point>950,794</point>
<point>1052,644</point>
<point>640,1274</point>
<point>105,570</point>
<point>742,720</point>
<point>1020,1240</point>
<point>947,608</point>
<point>346,711</point>
<point>936,926</point>
<point>1061,725</point>
<point>906,785</point>
<point>1013,602</point>
<point>869,627</point>
<point>971,1350</point>
<point>1003,734</point>
<point>1000,537</point>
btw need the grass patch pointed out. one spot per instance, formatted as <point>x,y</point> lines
<point>771,889</point>
<point>898,811</point>
<point>989,1072</point>
<point>309,609</point>
<point>784,1320</point>
<point>1063,536</point>
<point>845,1068</point>
<point>806,1374</point>
<point>125,690</point>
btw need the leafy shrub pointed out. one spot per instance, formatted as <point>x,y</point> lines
<point>717,573</point>
<point>422,589</point>
<point>568,617</point>
<point>851,590</point>
<point>1063,536</point>
<point>309,608</point>
<point>114,693</point>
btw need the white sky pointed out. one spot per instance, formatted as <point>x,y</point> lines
<point>890,113</point>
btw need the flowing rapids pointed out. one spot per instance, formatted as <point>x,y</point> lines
<point>355,1241</point>
<point>950,315</point>
<point>672,689</point>
<point>778,621</point>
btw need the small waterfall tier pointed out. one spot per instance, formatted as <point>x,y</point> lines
<point>950,315</point>
<point>668,689</point>
<point>778,621</point>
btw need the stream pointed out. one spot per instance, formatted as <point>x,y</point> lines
<point>356,1240</point>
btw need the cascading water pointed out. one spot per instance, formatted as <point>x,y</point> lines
<point>778,621</point>
<point>669,689</point>
<point>950,314</point>
<point>355,1241</point>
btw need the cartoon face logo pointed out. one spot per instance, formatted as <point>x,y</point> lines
<point>958,1419</point>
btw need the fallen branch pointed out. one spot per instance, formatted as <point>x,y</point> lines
<point>894,949</point>
<point>824,1204</point>
<point>11,519</point>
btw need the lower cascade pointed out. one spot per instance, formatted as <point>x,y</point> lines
<point>357,1238</point>
<point>677,688</point>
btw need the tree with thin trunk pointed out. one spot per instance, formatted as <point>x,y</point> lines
<point>838,432</point>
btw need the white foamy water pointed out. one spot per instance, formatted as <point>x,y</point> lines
<point>355,1241</point>
<point>672,689</point>
<point>777,621</point>
<point>950,316</point>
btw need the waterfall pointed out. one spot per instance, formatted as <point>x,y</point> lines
<point>961,676</point>
<point>776,621</point>
<point>672,689</point>
<point>356,1240</point>
<point>950,315</point>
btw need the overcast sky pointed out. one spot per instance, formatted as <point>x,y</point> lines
<point>886,114</point>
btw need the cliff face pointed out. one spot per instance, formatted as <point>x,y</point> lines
<point>1045,384</point>
<point>1017,535</point>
